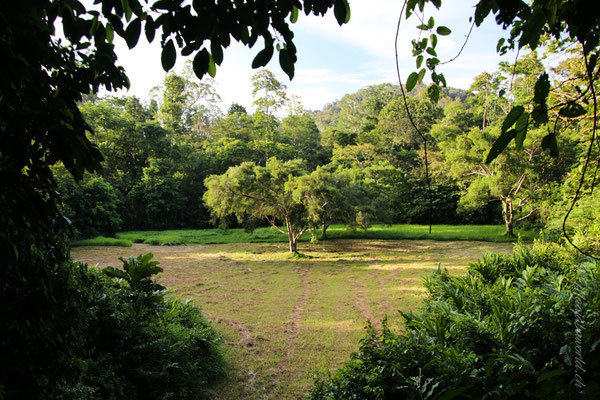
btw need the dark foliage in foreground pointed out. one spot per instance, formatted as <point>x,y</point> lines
<point>521,326</point>
<point>120,338</point>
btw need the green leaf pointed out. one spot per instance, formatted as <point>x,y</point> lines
<point>521,128</point>
<point>110,34</point>
<point>593,59</point>
<point>572,110</point>
<point>419,61</point>
<point>500,44</point>
<point>341,10</point>
<point>433,92</point>
<point>294,15</point>
<point>443,31</point>
<point>216,51</point>
<point>132,33</point>
<point>189,49</point>
<point>438,79</point>
<point>212,68</point>
<point>95,24</point>
<point>115,273</point>
<point>412,81</point>
<point>201,63</point>
<point>423,27</point>
<point>533,29</point>
<point>550,374</point>
<point>549,143</point>
<point>149,29</point>
<point>431,23</point>
<point>432,63</point>
<point>482,9</point>
<point>454,393</point>
<point>421,75</point>
<point>263,57</point>
<point>512,117</point>
<point>126,9</point>
<point>431,51</point>
<point>286,63</point>
<point>168,55</point>
<point>500,144</point>
<point>541,91</point>
<point>433,39</point>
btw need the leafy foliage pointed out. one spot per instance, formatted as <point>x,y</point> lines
<point>505,329</point>
<point>118,339</point>
<point>249,190</point>
<point>531,24</point>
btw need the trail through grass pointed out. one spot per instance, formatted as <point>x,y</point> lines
<point>283,317</point>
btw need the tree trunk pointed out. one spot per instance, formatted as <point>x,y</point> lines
<point>324,231</point>
<point>485,108</point>
<point>508,213</point>
<point>293,246</point>
<point>292,240</point>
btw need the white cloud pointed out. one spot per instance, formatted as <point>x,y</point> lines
<point>367,41</point>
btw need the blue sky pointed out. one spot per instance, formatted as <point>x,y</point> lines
<point>334,60</point>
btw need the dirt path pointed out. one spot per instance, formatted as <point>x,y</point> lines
<point>247,339</point>
<point>361,304</point>
<point>292,326</point>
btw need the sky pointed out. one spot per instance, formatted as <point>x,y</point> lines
<point>336,60</point>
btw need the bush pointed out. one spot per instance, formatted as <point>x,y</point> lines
<point>516,326</point>
<point>91,206</point>
<point>126,340</point>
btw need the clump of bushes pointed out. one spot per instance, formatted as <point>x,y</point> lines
<point>525,325</point>
<point>126,340</point>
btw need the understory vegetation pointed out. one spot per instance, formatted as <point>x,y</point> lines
<point>523,325</point>
<point>126,339</point>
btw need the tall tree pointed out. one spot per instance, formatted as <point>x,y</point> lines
<point>270,95</point>
<point>485,89</point>
<point>188,106</point>
<point>250,190</point>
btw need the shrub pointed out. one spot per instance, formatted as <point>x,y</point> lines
<point>91,206</point>
<point>515,326</point>
<point>141,344</point>
<point>126,339</point>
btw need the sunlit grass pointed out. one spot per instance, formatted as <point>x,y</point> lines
<point>488,233</point>
<point>102,241</point>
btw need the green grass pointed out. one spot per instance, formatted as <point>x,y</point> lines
<point>282,317</point>
<point>102,241</point>
<point>487,233</point>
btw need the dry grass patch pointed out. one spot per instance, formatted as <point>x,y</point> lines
<point>282,317</point>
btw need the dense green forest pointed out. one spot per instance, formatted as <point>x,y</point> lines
<point>357,161</point>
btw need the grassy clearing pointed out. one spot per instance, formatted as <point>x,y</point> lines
<point>488,233</point>
<point>102,241</point>
<point>282,317</point>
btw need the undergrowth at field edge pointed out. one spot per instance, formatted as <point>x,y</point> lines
<point>102,241</point>
<point>487,233</point>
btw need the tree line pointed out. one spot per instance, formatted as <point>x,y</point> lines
<point>178,162</point>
